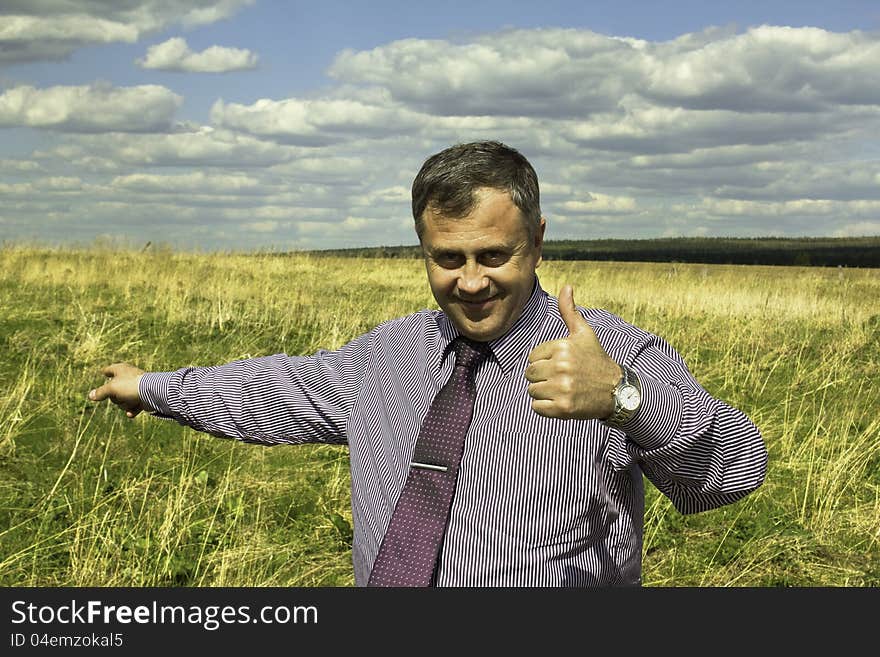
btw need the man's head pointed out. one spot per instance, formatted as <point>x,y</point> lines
<point>479,222</point>
<point>448,180</point>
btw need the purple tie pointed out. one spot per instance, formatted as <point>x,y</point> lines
<point>408,554</point>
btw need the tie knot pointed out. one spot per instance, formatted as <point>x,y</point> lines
<point>469,354</point>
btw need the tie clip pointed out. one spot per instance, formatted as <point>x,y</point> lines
<point>428,466</point>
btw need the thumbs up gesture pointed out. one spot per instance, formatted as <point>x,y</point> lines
<point>573,377</point>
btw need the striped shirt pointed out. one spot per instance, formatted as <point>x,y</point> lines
<point>539,501</point>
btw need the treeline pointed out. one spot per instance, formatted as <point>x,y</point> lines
<point>799,251</point>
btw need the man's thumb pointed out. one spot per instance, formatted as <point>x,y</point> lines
<point>572,318</point>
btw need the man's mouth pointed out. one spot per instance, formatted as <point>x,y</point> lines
<point>477,304</point>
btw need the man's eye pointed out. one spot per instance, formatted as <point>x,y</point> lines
<point>494,258</point>
<point>447,260</point>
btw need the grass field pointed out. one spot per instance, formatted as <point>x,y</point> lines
<point>90,498</point>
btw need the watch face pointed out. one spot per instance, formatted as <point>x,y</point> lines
<point>629,397</point>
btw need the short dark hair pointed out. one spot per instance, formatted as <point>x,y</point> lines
<point>447,181</point>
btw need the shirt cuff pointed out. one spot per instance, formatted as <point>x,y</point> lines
<point>659,417</point>
<point>153,390</point>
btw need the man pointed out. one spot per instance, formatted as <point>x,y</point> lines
<point>546,417</point>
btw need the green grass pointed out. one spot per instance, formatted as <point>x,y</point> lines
<point>90,498</point>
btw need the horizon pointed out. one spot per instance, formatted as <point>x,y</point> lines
<point>127,244</point>
<point>253,124</point>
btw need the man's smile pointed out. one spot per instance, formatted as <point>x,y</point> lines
<point>477,305</point>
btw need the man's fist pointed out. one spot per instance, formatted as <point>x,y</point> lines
<point>573,377</point>
<point>122,388</point>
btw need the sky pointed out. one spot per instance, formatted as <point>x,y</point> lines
<point>229,125</point>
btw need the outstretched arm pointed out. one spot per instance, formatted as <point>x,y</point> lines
<point>269,400</point>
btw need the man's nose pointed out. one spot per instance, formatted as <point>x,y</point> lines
<point>472,279</point>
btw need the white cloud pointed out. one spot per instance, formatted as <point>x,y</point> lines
<point>789,170</point>
<point>797,208</point>
<point>193,182</point>
<point>16,189</point>
<point>203,12</point>
<point>770,131</point>
<point>716,156</point>
<point>866,228</point>
<point>578,73</point>
<point>327,168</point>
<point>93,108</point>
<point>314,122</point>
<point>19,166</point>
<point>341,119</point>
<point>202,147</point>
<point>261,226</point>
<point>279,215</point>
<point>397,195</point>
<point>59,184</point>
<point>550,72</point>
<point>653,129</point>
<point>794,180</point>
<point>768,69</point>
<point>69,28</point>
<point>766,86</point>
<point>597,203</point>
<point>175,55</point>
<point>47,187</point>
<point>52,29</point>
<point>348,227</point>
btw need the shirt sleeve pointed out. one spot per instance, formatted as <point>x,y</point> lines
<point>697,450</point>
<point>268,400</point>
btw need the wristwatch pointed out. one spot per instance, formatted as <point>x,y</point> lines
<point>627,398</point>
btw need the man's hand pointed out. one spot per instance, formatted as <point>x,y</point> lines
<point>573,377</point>
<point>122,388</point>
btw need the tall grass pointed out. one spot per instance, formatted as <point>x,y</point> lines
<point>90,498</point>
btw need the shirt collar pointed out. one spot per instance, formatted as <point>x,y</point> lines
<point>509,347</point>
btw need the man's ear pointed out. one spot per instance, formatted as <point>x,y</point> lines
<point>539,240</point>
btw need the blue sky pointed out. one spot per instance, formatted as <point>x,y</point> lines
<point>229,124</point>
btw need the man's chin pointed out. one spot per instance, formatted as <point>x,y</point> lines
<point>479,331</point>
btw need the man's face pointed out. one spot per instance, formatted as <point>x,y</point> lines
<point>481,267</point>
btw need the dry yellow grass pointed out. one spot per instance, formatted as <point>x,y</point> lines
<point>89,498</point>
